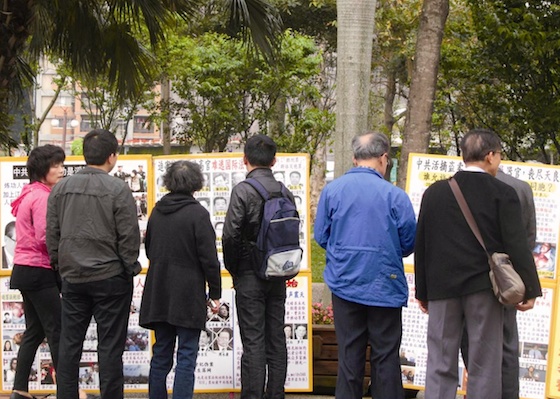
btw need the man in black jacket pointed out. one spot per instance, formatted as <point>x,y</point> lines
<point>451,270</point>
<point>510,361</point>
<point>260,303</point>
<point>93,241</point>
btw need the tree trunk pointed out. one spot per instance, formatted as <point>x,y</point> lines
<point>390,93</point>
<point>356,21</point>
<point>318,178</point>
<point>165,124</point>
<point>277,121</point>
<point>416,137</point>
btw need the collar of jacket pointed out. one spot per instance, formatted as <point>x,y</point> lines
<point>358,169</point>
<point>91,170</point>
<point>260,171</point>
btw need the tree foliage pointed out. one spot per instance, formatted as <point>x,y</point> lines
<point>500,70</point>
<point>99,38</point>
<point>221,91</point>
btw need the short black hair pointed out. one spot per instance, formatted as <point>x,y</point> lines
<point>183,177</point>
<point>478,143</point>
<point>260,150</point>
<point>41,159</point>
<point>99,144</point>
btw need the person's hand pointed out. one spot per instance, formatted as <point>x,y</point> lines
<point>214,305</point>
<point>423,306</point>
<point>526,305</point>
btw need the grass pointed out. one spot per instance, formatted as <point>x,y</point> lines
<point>317,262</point>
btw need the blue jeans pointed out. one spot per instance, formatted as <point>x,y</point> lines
<point>260,312</point>
<point>162,361</point>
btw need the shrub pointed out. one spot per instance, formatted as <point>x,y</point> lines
<point>321,314</point>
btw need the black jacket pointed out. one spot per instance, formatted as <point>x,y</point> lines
<point>92,227</point>
<point>243,220</point>
<point>181,247</point>
<point>449,261</point>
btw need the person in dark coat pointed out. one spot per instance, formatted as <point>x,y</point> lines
<point>181,247</point>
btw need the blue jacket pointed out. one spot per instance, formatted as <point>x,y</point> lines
<point>367,225</point>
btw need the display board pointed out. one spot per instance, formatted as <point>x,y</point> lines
<point>223,171</point>
<point>539,362</point>
<point>217,370</point>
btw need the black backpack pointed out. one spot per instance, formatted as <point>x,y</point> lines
<point>277,254</point>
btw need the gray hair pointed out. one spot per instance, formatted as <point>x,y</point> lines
<point>183,177</point>
<point>370,145</point>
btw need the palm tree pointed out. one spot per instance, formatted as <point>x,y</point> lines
<point>102,37</point>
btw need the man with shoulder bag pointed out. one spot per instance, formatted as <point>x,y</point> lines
<point>452,270</point>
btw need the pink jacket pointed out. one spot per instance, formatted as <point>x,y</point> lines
<point>30,210</point>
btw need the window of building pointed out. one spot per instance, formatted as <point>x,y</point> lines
<point>142,125</point>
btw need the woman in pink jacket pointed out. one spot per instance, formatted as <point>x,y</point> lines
<point>32,273</point>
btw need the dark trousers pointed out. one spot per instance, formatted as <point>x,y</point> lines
<point>42,319</point>
<point>108,301</point>
<point>510,360</point>
<point>355,324</point>
<point>260,312</point>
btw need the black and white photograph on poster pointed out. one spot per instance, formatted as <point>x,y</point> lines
<point>9,245</point>
<point>219,229</point>
<point>224,339</point>
<point>237,177</point>
<point>300,332</point>
<point>220,205</point>
<point>206,340</point>
<point>205,202</point>
<point>221,181</point>
<point>289,331</point>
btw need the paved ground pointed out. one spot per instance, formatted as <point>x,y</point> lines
<point>226,395</point>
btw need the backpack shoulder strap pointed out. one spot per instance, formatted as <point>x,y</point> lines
<point>283,189</point>
<point>257,185</point>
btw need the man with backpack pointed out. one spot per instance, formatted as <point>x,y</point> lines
<point>367,226</point>
<point>260,298</point>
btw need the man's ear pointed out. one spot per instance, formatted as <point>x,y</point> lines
<point>273,162</point>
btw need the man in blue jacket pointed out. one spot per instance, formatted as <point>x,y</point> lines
<point>367,226</point>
